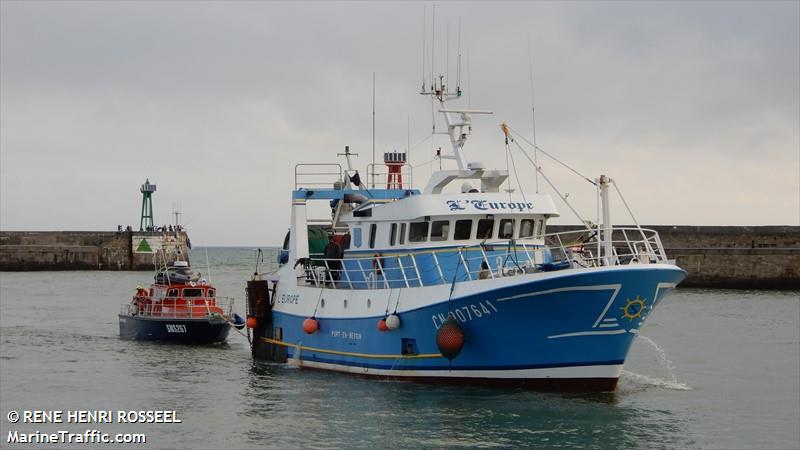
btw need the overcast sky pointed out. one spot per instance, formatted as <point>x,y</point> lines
<point>693,108</point>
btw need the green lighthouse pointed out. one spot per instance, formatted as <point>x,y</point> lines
<point>146,223</point>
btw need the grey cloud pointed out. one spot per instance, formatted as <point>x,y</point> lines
<point>218,101</point>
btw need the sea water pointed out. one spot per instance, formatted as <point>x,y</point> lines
<point>712,369</point>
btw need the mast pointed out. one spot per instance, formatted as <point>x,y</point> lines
<point>606,231</point>
<point>459,121</point>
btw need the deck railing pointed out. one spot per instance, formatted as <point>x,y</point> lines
<point>179,308</point>
<point>317,176</point>
<point>489,260</point>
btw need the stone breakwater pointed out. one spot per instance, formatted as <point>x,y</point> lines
<point>87,250</point>
<point>740,257</point>
<point>746,257</point>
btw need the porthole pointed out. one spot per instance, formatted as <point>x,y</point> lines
<point>345,303</point>
<point>369,303</point>
<point>322,303</point>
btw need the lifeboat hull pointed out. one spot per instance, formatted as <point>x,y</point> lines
<point>190,330</point>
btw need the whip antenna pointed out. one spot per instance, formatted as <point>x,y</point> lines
<point>433,44</point>
<point>424,20</point>
<point>533,117</point>
<point>373,130</point>
<point>469,88</point>
<point>408,151</point>
<point>458,59</point>
<point>447,53</point>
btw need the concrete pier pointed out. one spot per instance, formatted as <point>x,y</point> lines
<point>87,250</point>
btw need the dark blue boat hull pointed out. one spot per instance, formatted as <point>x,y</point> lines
<point>198,330</point>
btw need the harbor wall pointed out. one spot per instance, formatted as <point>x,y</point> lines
<point>754,257</point>
<point>87,250</point>
<point>739,257</point>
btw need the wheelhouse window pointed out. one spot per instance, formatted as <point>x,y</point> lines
<point>463,230</point>
<point>193,292</point>
<point>418,232</point>
<point>211,293</point>
<point>373,230</point>
<point>526,228</point>
<point>392,234</point>
<point>538,227</point>
<point>402,233</point>
<point>506,229</point>
<point>485,229</point>
<point>172,293</point>
<point>440,230</point>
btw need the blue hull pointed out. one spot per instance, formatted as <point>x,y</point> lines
<point>575,327</point>
<point>200,331</point>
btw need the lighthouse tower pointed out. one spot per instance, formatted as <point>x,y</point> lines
<point>147,189</point>
<point>394,162</point>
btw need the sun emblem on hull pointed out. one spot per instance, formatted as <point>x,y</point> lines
<point>633,309</point>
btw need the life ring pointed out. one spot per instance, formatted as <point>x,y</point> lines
<point>377,263</point>
<point>192,283</point>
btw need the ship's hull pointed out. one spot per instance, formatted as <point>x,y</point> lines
<point>195,330</point>
<point>570,329</point>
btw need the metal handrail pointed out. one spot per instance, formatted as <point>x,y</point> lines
<point>552,251</point>
<point>331,176</point>
<point>156,308</point>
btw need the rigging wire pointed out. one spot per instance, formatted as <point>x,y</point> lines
<point>597,197</point>
<point>509,190</point>
<point>550,156</point>
<point>419,143</point>
<point>514,166</point>
<point>638,227</point>
<point>563,198</point>
<point>511,242</point>
<point>399,293</point>
<point>433,132</point>
<point>388,302</point>
<point>319,298</point>
<point>626,204</point>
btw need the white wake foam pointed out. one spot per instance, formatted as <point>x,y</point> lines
<point>671,383</point>
<point>645,380</point>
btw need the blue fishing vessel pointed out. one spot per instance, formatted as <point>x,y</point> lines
<point>458,282</point>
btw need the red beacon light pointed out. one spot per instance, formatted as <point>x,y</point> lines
<point>394,162</point>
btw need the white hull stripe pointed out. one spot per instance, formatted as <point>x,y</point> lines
<point>659,287</point>
<point>585,333</point>
<point>609,371</point>
<point>600,287</point>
